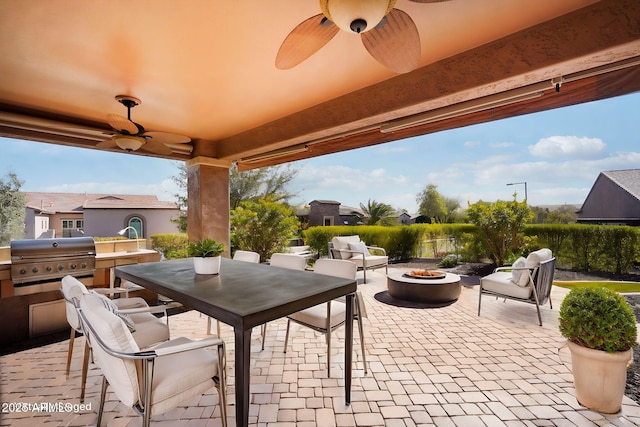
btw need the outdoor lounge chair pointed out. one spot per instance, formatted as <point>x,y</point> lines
<point>151,381</point>
<point>325,318</point>
<point>353,249</point>
<point>149,330</point>
<point>527,280</point>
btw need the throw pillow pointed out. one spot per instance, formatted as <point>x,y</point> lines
<point>360,247</point>
<point>110,305</point>
<point>517,274</point>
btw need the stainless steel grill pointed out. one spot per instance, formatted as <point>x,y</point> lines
<point>42,260</point>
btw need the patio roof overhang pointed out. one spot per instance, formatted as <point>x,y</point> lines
<point>206,70</point>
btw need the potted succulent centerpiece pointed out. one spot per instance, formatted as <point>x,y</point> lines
<point>206,256</point>
<point>601,330</point>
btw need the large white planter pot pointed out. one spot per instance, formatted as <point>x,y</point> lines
<point>599,377</point>
<point>210,265</point>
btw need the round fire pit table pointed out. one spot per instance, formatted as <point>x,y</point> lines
<point>426,290</point>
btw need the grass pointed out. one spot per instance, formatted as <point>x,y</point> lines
<point>623,287</point>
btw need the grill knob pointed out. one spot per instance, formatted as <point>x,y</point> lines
<point>83,265</point>
<point>60,267</point>
<point>48,268</point>
<point>34,270</point>
<point>73,266</point>
<point>23,271</point>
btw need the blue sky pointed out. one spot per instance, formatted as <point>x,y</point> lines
<point>559,153</point>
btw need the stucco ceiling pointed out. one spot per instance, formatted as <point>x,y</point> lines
<point>206,69</point>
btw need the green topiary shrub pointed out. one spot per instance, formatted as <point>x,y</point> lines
<point>598,318</point>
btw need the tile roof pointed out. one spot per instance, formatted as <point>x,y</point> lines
<point>77,202</point>
<point>629,180</point>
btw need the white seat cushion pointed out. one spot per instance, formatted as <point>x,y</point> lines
<point>179,376</point>
<point>316,316</point>
<point>500,282</point>
<point>133,302</point>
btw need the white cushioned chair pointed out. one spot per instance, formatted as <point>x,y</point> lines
<point>155,380</point>
<point>353,249</point>
<point>292,261</point>
<point>149,330</point>
<point>326,317</point>
<point>527,280</point>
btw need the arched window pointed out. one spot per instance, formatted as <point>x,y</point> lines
<point>136,222</point>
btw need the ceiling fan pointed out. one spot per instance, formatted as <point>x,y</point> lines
<point>131,136</point>
<point>388,34</point>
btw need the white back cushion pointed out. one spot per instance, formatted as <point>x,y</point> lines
<point>120,373</point>
<point>516,275</point>
<point>336,267</point>
<point>341,243</point>
<point>292,261</point>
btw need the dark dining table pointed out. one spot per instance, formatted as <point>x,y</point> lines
<point>244,295</point>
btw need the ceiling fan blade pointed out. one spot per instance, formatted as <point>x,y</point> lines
<point>396,44</point>
<point>305,40</point>
<point>167,138</point>
<point>107,143</point>
<point>153,146</point>
<point>122,124</point>
<point>428,1</point>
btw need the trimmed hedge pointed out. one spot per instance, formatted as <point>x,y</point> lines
<point>171,246</point>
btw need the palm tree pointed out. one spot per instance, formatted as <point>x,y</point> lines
<point>375,213</point>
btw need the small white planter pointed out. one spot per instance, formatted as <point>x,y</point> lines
<point>210,265</point>
<point>599,377</point>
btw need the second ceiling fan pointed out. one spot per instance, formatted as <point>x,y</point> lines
<point>388,34</point>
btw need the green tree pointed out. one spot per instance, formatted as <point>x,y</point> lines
<point>263,226</point>
<point>375,213</point>
<point>12,209</point>
<point>269,182</point>
<point>563,215</point>
<point>431,204</point>
<point>501,227</point>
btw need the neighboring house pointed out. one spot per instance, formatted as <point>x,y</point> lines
<point>613,199</point>
<point>327,213</point>
<point>97,215</point>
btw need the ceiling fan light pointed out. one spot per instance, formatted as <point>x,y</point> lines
<point>128,142</point>
<point>356,16</point>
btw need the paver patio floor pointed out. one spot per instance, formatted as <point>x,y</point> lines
<point>427,367</point>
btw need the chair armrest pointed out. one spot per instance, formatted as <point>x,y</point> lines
<point>384,252</point>
<point>510,268</point>
<point>111,291</point>
<point>151,309</point>
<point>173,349</point>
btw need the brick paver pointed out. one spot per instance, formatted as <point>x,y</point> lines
<point>427,367</point>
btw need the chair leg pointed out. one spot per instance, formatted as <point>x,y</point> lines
<point>480,298</point>
<point>286,336</point>
<point>85,368</point>
<point>361,330</point>
<point>103,395</point>
<point>263,329</point>
<point>364,271</point>
<point>222,384</point>
<point>328,335</point>
<point>70,352</point>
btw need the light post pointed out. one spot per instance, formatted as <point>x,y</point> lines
<point>525,188</point>
<point>124,230</point>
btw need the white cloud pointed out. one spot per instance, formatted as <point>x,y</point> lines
<point>567,146</point>
<point>472,144</point>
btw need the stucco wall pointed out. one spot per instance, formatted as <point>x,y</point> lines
<point>107,222</point>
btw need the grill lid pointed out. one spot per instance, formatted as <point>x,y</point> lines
<point>31,249</point>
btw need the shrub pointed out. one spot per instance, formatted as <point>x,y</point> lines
<point>263,226</point>
<point>171,246</point>
<point>598,318</point>
<point>205,248</point>
<point>449,261</point>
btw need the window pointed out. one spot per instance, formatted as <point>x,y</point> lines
<point>71,224</point>
<point>327,221</point>
<point>135,222</point>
